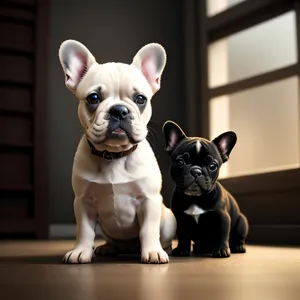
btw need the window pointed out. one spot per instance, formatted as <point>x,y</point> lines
<point>242,74</point>
<point>265,47</point>
<point>216,6</point>
<point>265,119</point>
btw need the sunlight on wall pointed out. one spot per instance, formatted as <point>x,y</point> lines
<point>266,121</point>
<point>216,6</point>
<point>262,48</point>
<point>265,118</point>
<point>219,116</point>
<point>219,110</point>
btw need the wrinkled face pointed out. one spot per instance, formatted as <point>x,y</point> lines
<point>195,166</point>
<point>114,98</point>
<point>195,162</point>
<point>114,106</point>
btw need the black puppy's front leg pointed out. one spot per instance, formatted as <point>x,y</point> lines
<point>222,249</point>
<point>183,235</point>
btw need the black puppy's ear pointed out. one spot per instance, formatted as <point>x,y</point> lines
<point>225,143</point>
<point>173,135</point>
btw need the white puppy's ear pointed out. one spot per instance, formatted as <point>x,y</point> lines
<point>76,60</point>
<point>151,61</point>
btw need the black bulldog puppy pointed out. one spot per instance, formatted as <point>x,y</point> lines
<point>206,212</point>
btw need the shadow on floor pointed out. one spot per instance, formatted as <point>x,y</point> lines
<point>57,259</point>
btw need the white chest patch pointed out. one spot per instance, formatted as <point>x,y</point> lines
<point>195,212</point>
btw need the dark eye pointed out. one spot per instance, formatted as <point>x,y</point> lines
<point>180,162</point>
<point>93,98</point>
<point>213,166</point>
<point>140,99</point>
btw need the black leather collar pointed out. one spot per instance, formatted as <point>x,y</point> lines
<point>110,155</point>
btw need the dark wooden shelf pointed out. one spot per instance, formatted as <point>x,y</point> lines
<point>16,20</point>
<point>16,112</point>
<point>14,14</point>
<point>15,189</point>
<point>15,84</point>
<point>23,54</point>
<point>10,146</point>
<point>20,4</point>
<point>16,52</point>
<point>17,226</point>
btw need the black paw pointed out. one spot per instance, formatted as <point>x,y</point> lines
<point>106,250</point>
<point>240,248</point>
<point>221,252</point>
<point>181,252</point>
<point>202,249</point>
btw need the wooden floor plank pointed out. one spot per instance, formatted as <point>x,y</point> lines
<point>33,270</point>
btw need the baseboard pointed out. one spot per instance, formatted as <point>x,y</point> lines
<point>274,235</point>
<point>258,234</point>
<point>66,231</point>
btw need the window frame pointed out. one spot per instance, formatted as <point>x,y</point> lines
<point>282,186</point>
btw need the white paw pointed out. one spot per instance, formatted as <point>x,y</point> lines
<point>79,256</point>
<point>154,256</point>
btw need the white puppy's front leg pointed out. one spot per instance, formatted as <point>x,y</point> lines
<point>86,218</point>
<point>149,217</point>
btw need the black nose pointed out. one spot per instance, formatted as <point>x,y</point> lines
<point>119,111</point>
<point>196,172</point>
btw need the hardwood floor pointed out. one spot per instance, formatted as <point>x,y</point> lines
<point>33,270</point>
